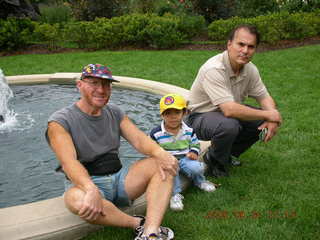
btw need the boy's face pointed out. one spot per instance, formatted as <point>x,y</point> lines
<point>172,118</point>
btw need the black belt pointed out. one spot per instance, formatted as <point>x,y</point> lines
<point>104,164</point>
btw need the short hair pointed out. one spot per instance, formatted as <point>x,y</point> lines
<point>250,28</point>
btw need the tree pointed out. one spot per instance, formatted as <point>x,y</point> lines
<point>214,9</point>
<point>90,9</point>
<point>299,5</point>
<point>253,8</point>
<point>18,8</point>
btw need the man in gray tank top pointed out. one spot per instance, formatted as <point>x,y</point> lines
<point>86,138</point>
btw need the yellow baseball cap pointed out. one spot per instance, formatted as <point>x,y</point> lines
<point>172,101</point>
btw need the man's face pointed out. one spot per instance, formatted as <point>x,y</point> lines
<point>241,48</point>
<point>95,91</point>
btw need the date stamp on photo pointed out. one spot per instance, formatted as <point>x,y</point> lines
<point>221,214</point>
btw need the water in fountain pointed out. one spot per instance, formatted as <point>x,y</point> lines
<point>9,120</point>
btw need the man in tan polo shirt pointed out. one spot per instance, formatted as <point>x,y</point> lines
<point>216,102</point>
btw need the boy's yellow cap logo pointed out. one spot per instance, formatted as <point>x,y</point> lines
<point>172,101</point>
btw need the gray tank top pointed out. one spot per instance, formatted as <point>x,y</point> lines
<point>93,136</point>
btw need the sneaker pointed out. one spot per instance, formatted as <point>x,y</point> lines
<point>165,233</point>
<point>207,186</point>
<point>137,230</point>
<point>152,236</point>
<point>176,202</point>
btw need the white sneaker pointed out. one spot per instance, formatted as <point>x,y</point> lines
<point>207,186</point>
<point>176,202</point>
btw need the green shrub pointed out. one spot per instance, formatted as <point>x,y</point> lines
<point>49,33</point>
<point>105,34</point>
<point>302,25</point>
<point>163,32</point>
<point>219,30</point>
<point>15,33</point>
<point>147,30</point>
<point>133,26</point>
<point>189,25</point>
<point>314,21</point>
<point>79,33</point>
<point>273,27</point>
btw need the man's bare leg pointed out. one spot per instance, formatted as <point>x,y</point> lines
<point>144,176</point>
<point>114,216</point>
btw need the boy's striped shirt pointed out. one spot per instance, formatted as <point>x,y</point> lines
<point>185,141</point>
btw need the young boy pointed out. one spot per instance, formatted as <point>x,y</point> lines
<point>180,140</point>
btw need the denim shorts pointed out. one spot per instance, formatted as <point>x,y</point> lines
<point>112,187</point>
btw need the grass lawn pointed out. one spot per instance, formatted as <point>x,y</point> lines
<point>274,195</point>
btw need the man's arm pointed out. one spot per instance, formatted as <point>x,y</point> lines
<point>268,113</point>
<point>242,112</point>
<point>62,144</point>
<point>147,146</point>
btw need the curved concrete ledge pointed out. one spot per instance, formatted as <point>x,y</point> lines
<point>49,219</point>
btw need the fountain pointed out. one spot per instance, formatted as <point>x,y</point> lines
<point>49,219</point>
<point>5,95</point>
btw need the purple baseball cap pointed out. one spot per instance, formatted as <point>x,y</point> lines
<point>98,71</point>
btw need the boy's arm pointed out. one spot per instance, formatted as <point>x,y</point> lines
<point>194,147</point>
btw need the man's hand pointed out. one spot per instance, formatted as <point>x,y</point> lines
<point>192,155</point>
<point>92,205</point>
<point>274,116</point>
<point>272,130</point>
<point>167,163</point>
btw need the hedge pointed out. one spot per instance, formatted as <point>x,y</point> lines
<point>15,33</point>
<point>272,27</point>
<point>150,30</point>
<point>147,30</point>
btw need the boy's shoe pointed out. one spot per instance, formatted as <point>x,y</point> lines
<point>165,233</point>
<point>176,202</point>
<point>207,186</point>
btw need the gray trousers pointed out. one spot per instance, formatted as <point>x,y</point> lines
<point>228,136</point>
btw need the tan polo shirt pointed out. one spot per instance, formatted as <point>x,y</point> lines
<point>216,83</point>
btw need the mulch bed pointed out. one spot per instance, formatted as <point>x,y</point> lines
<point>263,47</point>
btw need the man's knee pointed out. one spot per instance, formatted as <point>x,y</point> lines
<point>73,199</point>
<point>230,127</point>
